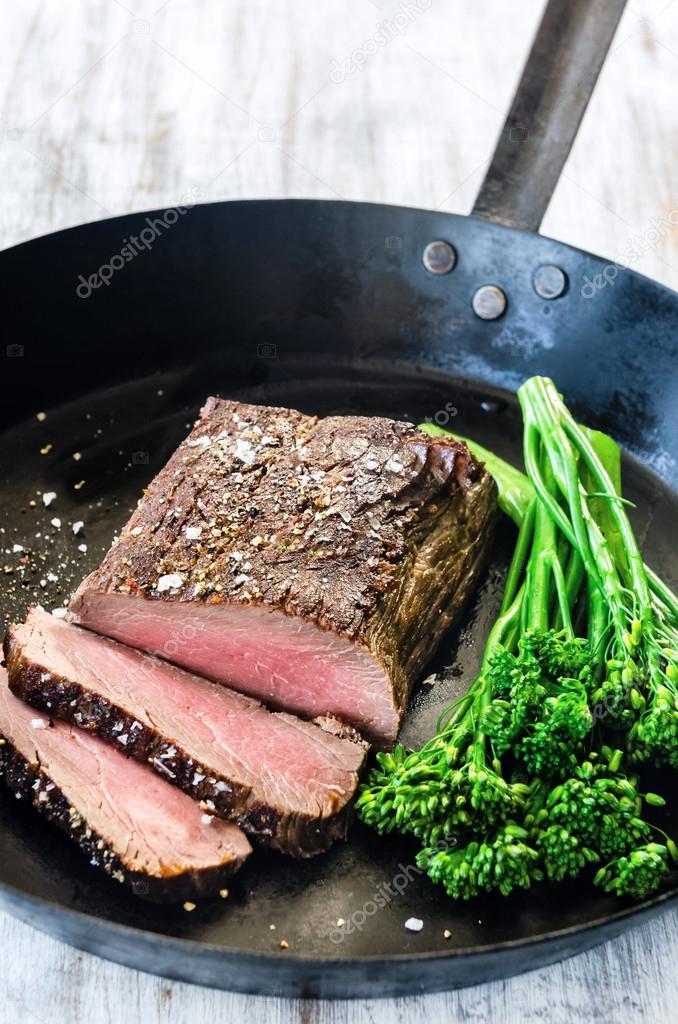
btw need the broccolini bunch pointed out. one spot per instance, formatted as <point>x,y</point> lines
<point>519,783</point>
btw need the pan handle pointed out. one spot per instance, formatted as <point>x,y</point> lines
<point>561,71</point>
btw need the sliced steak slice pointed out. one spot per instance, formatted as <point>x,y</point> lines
<point>126,819</point>
<point>286,781</point>
<point>314,564</point>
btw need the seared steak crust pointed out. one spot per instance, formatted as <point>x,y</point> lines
<point>294,833</point>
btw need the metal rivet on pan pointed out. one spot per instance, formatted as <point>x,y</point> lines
<point>439,257</point>
<point>489,302</point>
<point>549,281</point>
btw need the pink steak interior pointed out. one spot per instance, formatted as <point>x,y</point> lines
<point>284,661</point>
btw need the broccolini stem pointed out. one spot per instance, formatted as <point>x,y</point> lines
<point>574,577</point>
<point>520,557</point>
<point>597,623</point>
<point>638,581</point>
<point>562,595</point>
<point>548,393</point>
<point>664,596</point>
<point>540,566</point>
<point>541,425</point>
<point>506,621</point>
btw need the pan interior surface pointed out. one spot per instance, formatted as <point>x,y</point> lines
<point>95,454</point>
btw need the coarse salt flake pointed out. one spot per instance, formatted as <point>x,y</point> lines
<point>414,924</point>
<point>56,523</point>
<point>82,547</point>
<point>38,723</point>
<point>172,581</point>
<point>193,532</point>
<point>17,549</point>
<point>136,531</point>
<point>48,497</point>
<point>77,526</point>
<point>59,613</point>
<point>244,451</point>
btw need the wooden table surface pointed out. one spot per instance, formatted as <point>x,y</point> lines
<point>117,105</point>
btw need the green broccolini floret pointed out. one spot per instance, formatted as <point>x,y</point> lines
<point>503,861</point>
<point>564,853</point>
<point>636,874</point>
<point>591,817</point>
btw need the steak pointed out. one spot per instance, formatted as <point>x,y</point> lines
<point>129,822</point>
<point>285,781</point>
<point>311,563</point>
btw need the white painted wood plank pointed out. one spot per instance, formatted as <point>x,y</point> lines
<point>108,106</point>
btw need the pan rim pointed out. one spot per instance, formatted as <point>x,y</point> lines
<point>357,203</point>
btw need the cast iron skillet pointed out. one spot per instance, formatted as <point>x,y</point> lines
<point>328,307</point>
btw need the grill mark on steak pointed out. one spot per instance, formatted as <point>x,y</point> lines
<point>39,773</point>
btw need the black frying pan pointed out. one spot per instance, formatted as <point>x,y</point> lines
<point>330,307</point>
